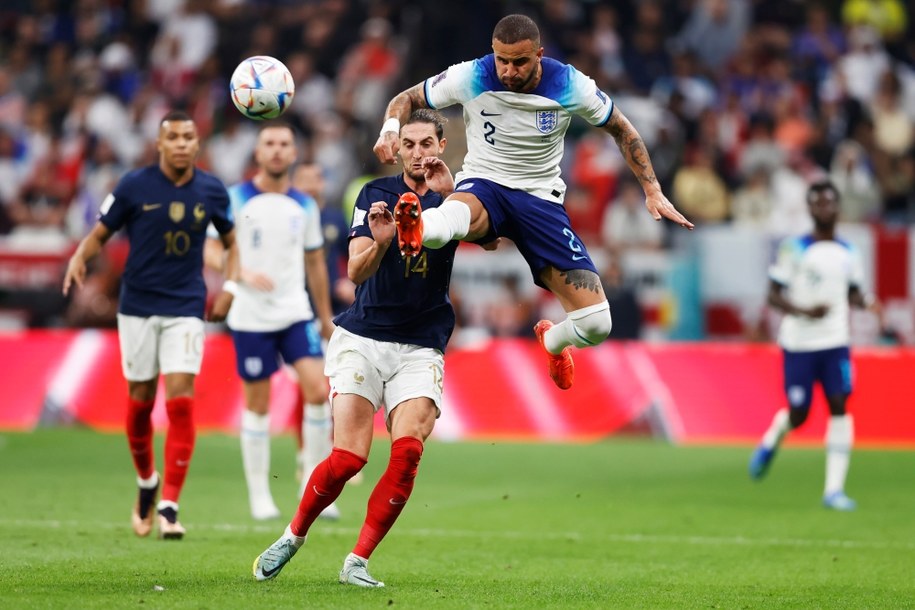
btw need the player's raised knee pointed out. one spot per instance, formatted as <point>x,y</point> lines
<point>592,324</point>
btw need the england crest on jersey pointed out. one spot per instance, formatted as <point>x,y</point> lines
<point>547,120</point>
<point>253,366</point>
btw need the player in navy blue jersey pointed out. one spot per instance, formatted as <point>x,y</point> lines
<point>518,105</point>
<point>165,210</point>
<point>378,355</point>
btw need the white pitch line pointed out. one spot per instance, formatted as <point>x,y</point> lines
<point>504,534</point>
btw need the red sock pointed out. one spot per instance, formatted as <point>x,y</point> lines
<point>390,494</point>
<point>298,416</point>
<point>323,487</point>
<point>179,445</point>
<point>140,436</point>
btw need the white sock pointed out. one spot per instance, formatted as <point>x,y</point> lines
<point>298,541</point>
<point>316,432</point>
<point>163,504</point>
<point>255,454</point>
<point>149,483</point>
<point>449,221</point>
<point>583,327</point>
<point>779,427</point>
<point>839,436</point>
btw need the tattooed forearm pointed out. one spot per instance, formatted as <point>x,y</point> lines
<point>632,147</point>
<point>582,279</point>
<point>405,102</point>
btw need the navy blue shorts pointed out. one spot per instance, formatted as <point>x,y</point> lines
<point>830,367</point>
<point>540,229</point>
<point>257,354</point>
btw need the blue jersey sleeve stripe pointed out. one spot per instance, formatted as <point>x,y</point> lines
<point>609,114</point>
<point>426,95</point>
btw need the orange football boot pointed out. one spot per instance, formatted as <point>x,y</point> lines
<point>562,369</point>
<point>408,216</point>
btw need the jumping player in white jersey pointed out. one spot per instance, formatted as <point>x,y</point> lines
<point>280,246</point>
<point>517,107</point>
<point>814,280</point>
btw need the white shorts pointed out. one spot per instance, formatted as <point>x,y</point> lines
<point>165,344</point>
<point>383,372</point>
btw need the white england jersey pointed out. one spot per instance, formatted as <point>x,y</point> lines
<point>516,139</point>
<point>816,273</point>
<point>273,232</point>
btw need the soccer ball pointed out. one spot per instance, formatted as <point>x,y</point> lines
<point>261,87</point>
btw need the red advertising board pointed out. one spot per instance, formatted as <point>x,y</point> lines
<point>687,393</point>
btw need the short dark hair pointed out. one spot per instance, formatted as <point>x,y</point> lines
<point>427,115</point>
<point>176,115</point>
<point>516,28</point>
<point>276,124</point>
<point>820,185</point>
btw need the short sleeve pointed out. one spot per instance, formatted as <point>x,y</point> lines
<point>780,271</point>
<point>116,208</point>
<point>360,224</point>
<point>856,268</point>
<point>222,215</point>
<point>314,236</point>
<point>588,101</point>
<point>456,85</point>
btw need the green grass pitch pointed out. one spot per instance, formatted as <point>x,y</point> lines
<point>616,524</point>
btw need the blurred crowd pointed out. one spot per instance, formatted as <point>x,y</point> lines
<point>741,102</point>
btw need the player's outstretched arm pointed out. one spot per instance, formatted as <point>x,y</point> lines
<point>87,248</point>
<point>636,155</point>
<point>397,113</point>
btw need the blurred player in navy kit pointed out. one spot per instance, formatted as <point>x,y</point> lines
<point>378,354</point>
<point>165,209</point>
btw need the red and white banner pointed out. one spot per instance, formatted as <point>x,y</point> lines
<point>685,392</point>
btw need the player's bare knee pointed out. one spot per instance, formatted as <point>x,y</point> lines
<point>592,324</point>
<point>345,464</point>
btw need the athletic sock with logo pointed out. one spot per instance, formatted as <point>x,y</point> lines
<point>583,327</point>
<point>323,487</point>
<point>140,436</point>
<point>449,221</point>
<point>179,445</point>
<point>390,494</point>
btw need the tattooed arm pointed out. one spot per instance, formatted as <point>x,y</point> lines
<point>636,155</point>
<point>399,110</point>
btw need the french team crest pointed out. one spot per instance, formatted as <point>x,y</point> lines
<point>176,211</point>
<point>200,212</point>
<point>547,120</point>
